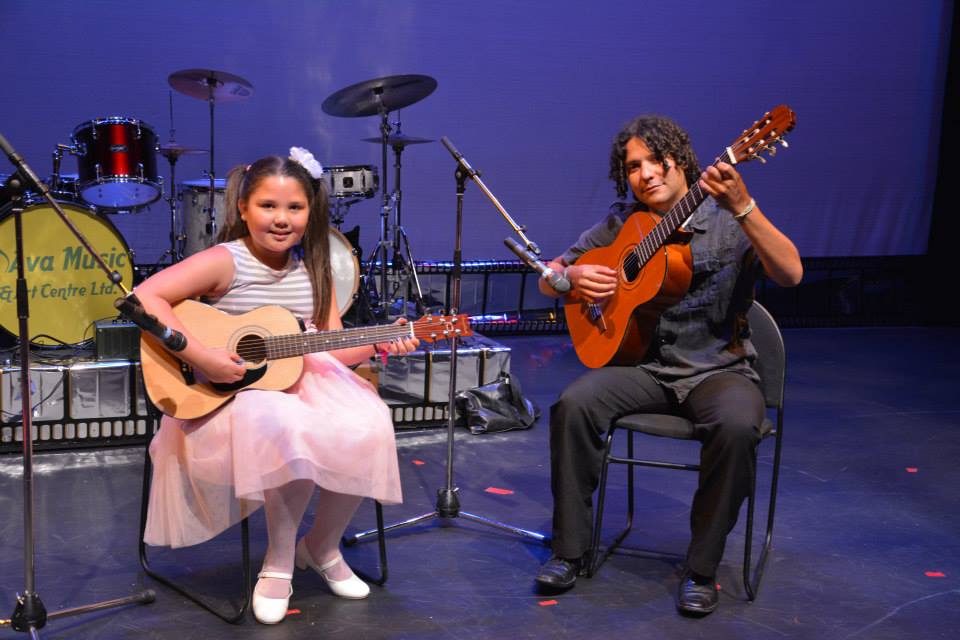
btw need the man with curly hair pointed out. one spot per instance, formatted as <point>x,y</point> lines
<point>698,364</point>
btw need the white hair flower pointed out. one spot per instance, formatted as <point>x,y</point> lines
<point>306,159</point>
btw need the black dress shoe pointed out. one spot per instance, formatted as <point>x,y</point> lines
<point>697,596</point>
<point>559,573</point>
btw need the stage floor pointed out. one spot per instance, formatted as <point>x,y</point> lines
<point>865,544</point>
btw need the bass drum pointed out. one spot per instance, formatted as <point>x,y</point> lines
<point>345,268</point>
<point>66,288</point>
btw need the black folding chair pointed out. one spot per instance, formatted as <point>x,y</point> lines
<point>771,366</point>
<point>232,615</point>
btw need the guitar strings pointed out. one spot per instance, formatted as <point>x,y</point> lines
<point>272,347</point>
<point>634,261</point>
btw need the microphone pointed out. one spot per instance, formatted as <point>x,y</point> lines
<point>458,156</point>
<point>21,164</point>
<point>131,308</point>
<point>556,281</point>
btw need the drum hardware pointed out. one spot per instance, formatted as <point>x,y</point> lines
<point>172,152</point>
<point>213,87</point>
<point>29,614</point>
<point>380,96</point>
<point>346,181</point>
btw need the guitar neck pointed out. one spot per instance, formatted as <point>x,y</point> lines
<point>288,346</point>
<point>671,221</point>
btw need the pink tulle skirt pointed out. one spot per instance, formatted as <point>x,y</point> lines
<point>210,473</point>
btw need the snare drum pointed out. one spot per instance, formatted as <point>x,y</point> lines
<point>345,268</point>
<point>195,198</point>
<point>355,181</point>
<point>117,162</point>
<point>67,290</point>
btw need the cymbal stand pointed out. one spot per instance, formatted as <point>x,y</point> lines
<point>30,615</point>
<point>448,504</point>
<point>407,267</point>
<point>211,82</point>
<point>174,251</point>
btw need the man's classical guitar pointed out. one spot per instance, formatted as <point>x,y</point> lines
<point>270,341</point>
<point>652,259</point>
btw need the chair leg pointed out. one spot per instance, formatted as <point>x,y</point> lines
<point>752,584</point>
<point>382,544</point>
<point>234,616</point>
<point>595,557</point>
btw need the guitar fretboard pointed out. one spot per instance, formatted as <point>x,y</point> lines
<point>298,344</point>
<point>665,228</point>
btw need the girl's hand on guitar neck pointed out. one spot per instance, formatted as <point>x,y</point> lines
<point>399,347</point>
<point>595,282</point>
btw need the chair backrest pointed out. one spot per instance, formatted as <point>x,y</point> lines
<point>771,361</point>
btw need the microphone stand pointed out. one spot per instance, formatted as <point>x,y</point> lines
<point>29,614</point>
<point>448,504</point>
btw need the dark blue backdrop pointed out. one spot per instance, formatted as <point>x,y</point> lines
<point>531,92</point>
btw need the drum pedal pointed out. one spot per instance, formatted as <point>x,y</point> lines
<point>117,340</point>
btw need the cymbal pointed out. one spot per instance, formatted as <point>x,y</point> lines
<point>365,98</point>
<point>175,150</point>
<point>196,83</point>
<point>398,140</point>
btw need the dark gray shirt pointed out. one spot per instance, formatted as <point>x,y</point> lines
<point>706,332</point>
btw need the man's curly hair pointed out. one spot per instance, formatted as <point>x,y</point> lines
<point>664,138</point>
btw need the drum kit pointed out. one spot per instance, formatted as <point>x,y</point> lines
<point>117,173</point>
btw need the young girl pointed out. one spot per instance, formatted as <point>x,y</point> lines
<point>329,433</point>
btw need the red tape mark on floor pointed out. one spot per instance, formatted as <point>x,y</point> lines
<point>912,469</point>
<point>935,574</point>
<point>547,603</point>
<point>499,492</point>
<point>419,463</point>
<point>292,612</point>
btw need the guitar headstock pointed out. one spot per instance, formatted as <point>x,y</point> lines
<point>432,328</point>
<point>763,135</point>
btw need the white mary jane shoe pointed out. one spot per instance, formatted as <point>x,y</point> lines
<point>353,587</point>
<point>271,610</point>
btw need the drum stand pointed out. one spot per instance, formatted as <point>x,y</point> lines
<point>403,268</point>
<point>448,504</point>
<point>30,615</point>
<point>174,251</point>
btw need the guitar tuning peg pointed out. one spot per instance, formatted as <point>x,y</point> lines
<point>784,143</point>
<point>762,159</point>
<point>772,149</point>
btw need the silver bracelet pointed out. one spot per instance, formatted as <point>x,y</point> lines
<point>743,214</point>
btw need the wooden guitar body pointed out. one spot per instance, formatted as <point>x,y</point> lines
<point>622,331</point>
<point>215,328</point>
<point>272,345</point>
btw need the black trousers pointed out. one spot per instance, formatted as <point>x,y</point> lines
<point>726,409</point>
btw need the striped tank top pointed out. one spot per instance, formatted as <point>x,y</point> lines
<point>255,285</point>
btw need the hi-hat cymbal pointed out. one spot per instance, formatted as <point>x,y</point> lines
<point>175,150</point>
<point>390,92</point>
<point>399,140</point>
<point>196,83</point>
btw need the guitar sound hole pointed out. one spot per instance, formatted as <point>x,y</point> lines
<point>252,348</point>
<point>631,267</point>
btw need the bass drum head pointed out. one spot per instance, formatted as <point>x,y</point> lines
<point>345,268</point>
<point>66,288</point>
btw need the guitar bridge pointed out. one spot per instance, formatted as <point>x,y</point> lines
<point>595,311</point>
<point>187,372</point>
